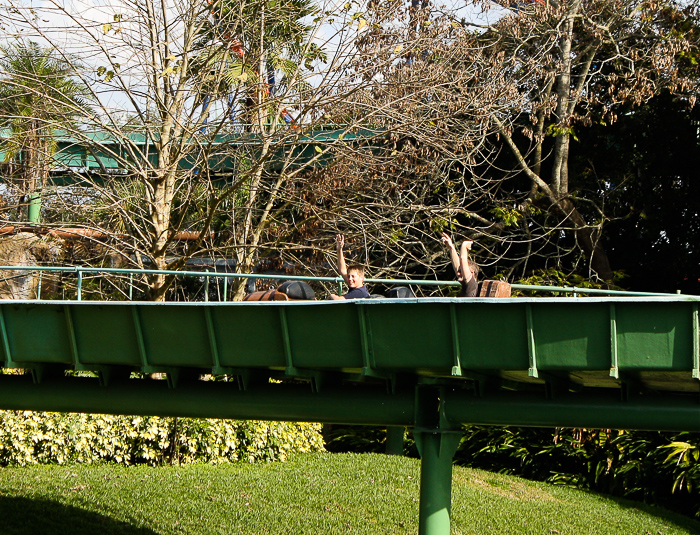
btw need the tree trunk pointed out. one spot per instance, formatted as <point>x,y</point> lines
<point>588,240</point>
<point>160,221</point>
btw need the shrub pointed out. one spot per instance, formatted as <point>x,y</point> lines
<point>61,438</point>
<point>659,468</point>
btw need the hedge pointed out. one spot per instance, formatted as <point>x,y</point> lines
<point>28,437</point>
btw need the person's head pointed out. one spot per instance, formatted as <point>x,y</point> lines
<point>356,276</point>
<point>473,267</point>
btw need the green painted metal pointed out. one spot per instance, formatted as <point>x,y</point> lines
<point>429,363</point>
<point>395,440</point>
<point>5,344</point>
<point>390,282</point>
<point>102,152</point>
<point>582,339</point>
<point>436,451</point>
<point>437,441</point>
<point>34,207</point>
<point>696,342</point>
<point>614,367</point>
<point>531,345</point>
<point>98,156</point>
<point>188,397</point>
<point>392,345</point>
<point>605,409</point>
<point>457,367</point>
<point>213,345</point>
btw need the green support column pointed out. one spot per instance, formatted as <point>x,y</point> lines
<point>436,450</point>
<point>394,440</point>
<point>34,207</point>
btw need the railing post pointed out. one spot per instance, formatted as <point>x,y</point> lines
<point>80,283</point>
<point>34,206</point>
<point>206,287</point>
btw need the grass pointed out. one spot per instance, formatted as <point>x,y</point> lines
<point>310,494</point>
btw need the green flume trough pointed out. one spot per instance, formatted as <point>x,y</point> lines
<point>432,364</point>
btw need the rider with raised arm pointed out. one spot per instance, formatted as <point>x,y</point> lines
<point>464,267</point>
<point>354,275</point>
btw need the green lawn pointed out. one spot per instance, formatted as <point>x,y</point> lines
<point>310,494</point>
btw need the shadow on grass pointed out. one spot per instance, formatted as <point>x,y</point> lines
<point>22,516</point>
<point>667,515</point>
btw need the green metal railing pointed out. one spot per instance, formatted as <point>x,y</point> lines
<point>81,272</point>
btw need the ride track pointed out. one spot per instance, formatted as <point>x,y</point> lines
<point>102,156</point>
<point>94,158</point>
<point>433,364</point>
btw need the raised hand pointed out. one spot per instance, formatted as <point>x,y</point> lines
<point>446,240</point>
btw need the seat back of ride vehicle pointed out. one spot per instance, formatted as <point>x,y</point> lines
<point>287,291</point>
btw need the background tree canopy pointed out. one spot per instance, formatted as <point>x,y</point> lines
<point>646,166</point>
<point>527,128</point>
<point>486,126</point>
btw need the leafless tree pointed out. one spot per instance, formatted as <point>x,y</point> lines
<point>193,146</point>
<point>480,119</point>
<point>441,120</point>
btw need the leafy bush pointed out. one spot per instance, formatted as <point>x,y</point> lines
<point>354,438</point>
<point>554,277</point>
<point>654,467</point>
<point>49,437</point>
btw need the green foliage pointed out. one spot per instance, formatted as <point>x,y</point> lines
<point>683,461</point>
<point>39,86</point>
<point>646,164</point>
<point>658,468</point>
<point>555,130</point>
<point>354,438</point>
<point>439,224</point>
<point>57,438</point>
<point>507,216</point>
<point>362,439</point>
<point>277,32</point>
<point>555,277</point>
<point>396,235</point>
<point>39,95</point>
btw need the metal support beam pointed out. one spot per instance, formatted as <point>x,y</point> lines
<point>34,206</point>
<point>436,451</point>
<point>209,399</point>
<point>696,343</point>
<point>394,440</point>
<point>432,363</point>
<point>437,440</point>
<point>531,345</point>
<point>614,353</point>
<point>598,409</point>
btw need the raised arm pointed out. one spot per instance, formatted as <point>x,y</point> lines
<point>464,260</point>
<point>342,268</point>
<point>456,262</point>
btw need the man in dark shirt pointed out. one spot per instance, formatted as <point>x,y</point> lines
<point>354,275</point>
<point>465,269</point>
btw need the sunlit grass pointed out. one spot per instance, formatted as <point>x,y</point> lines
<point>310,494</point>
